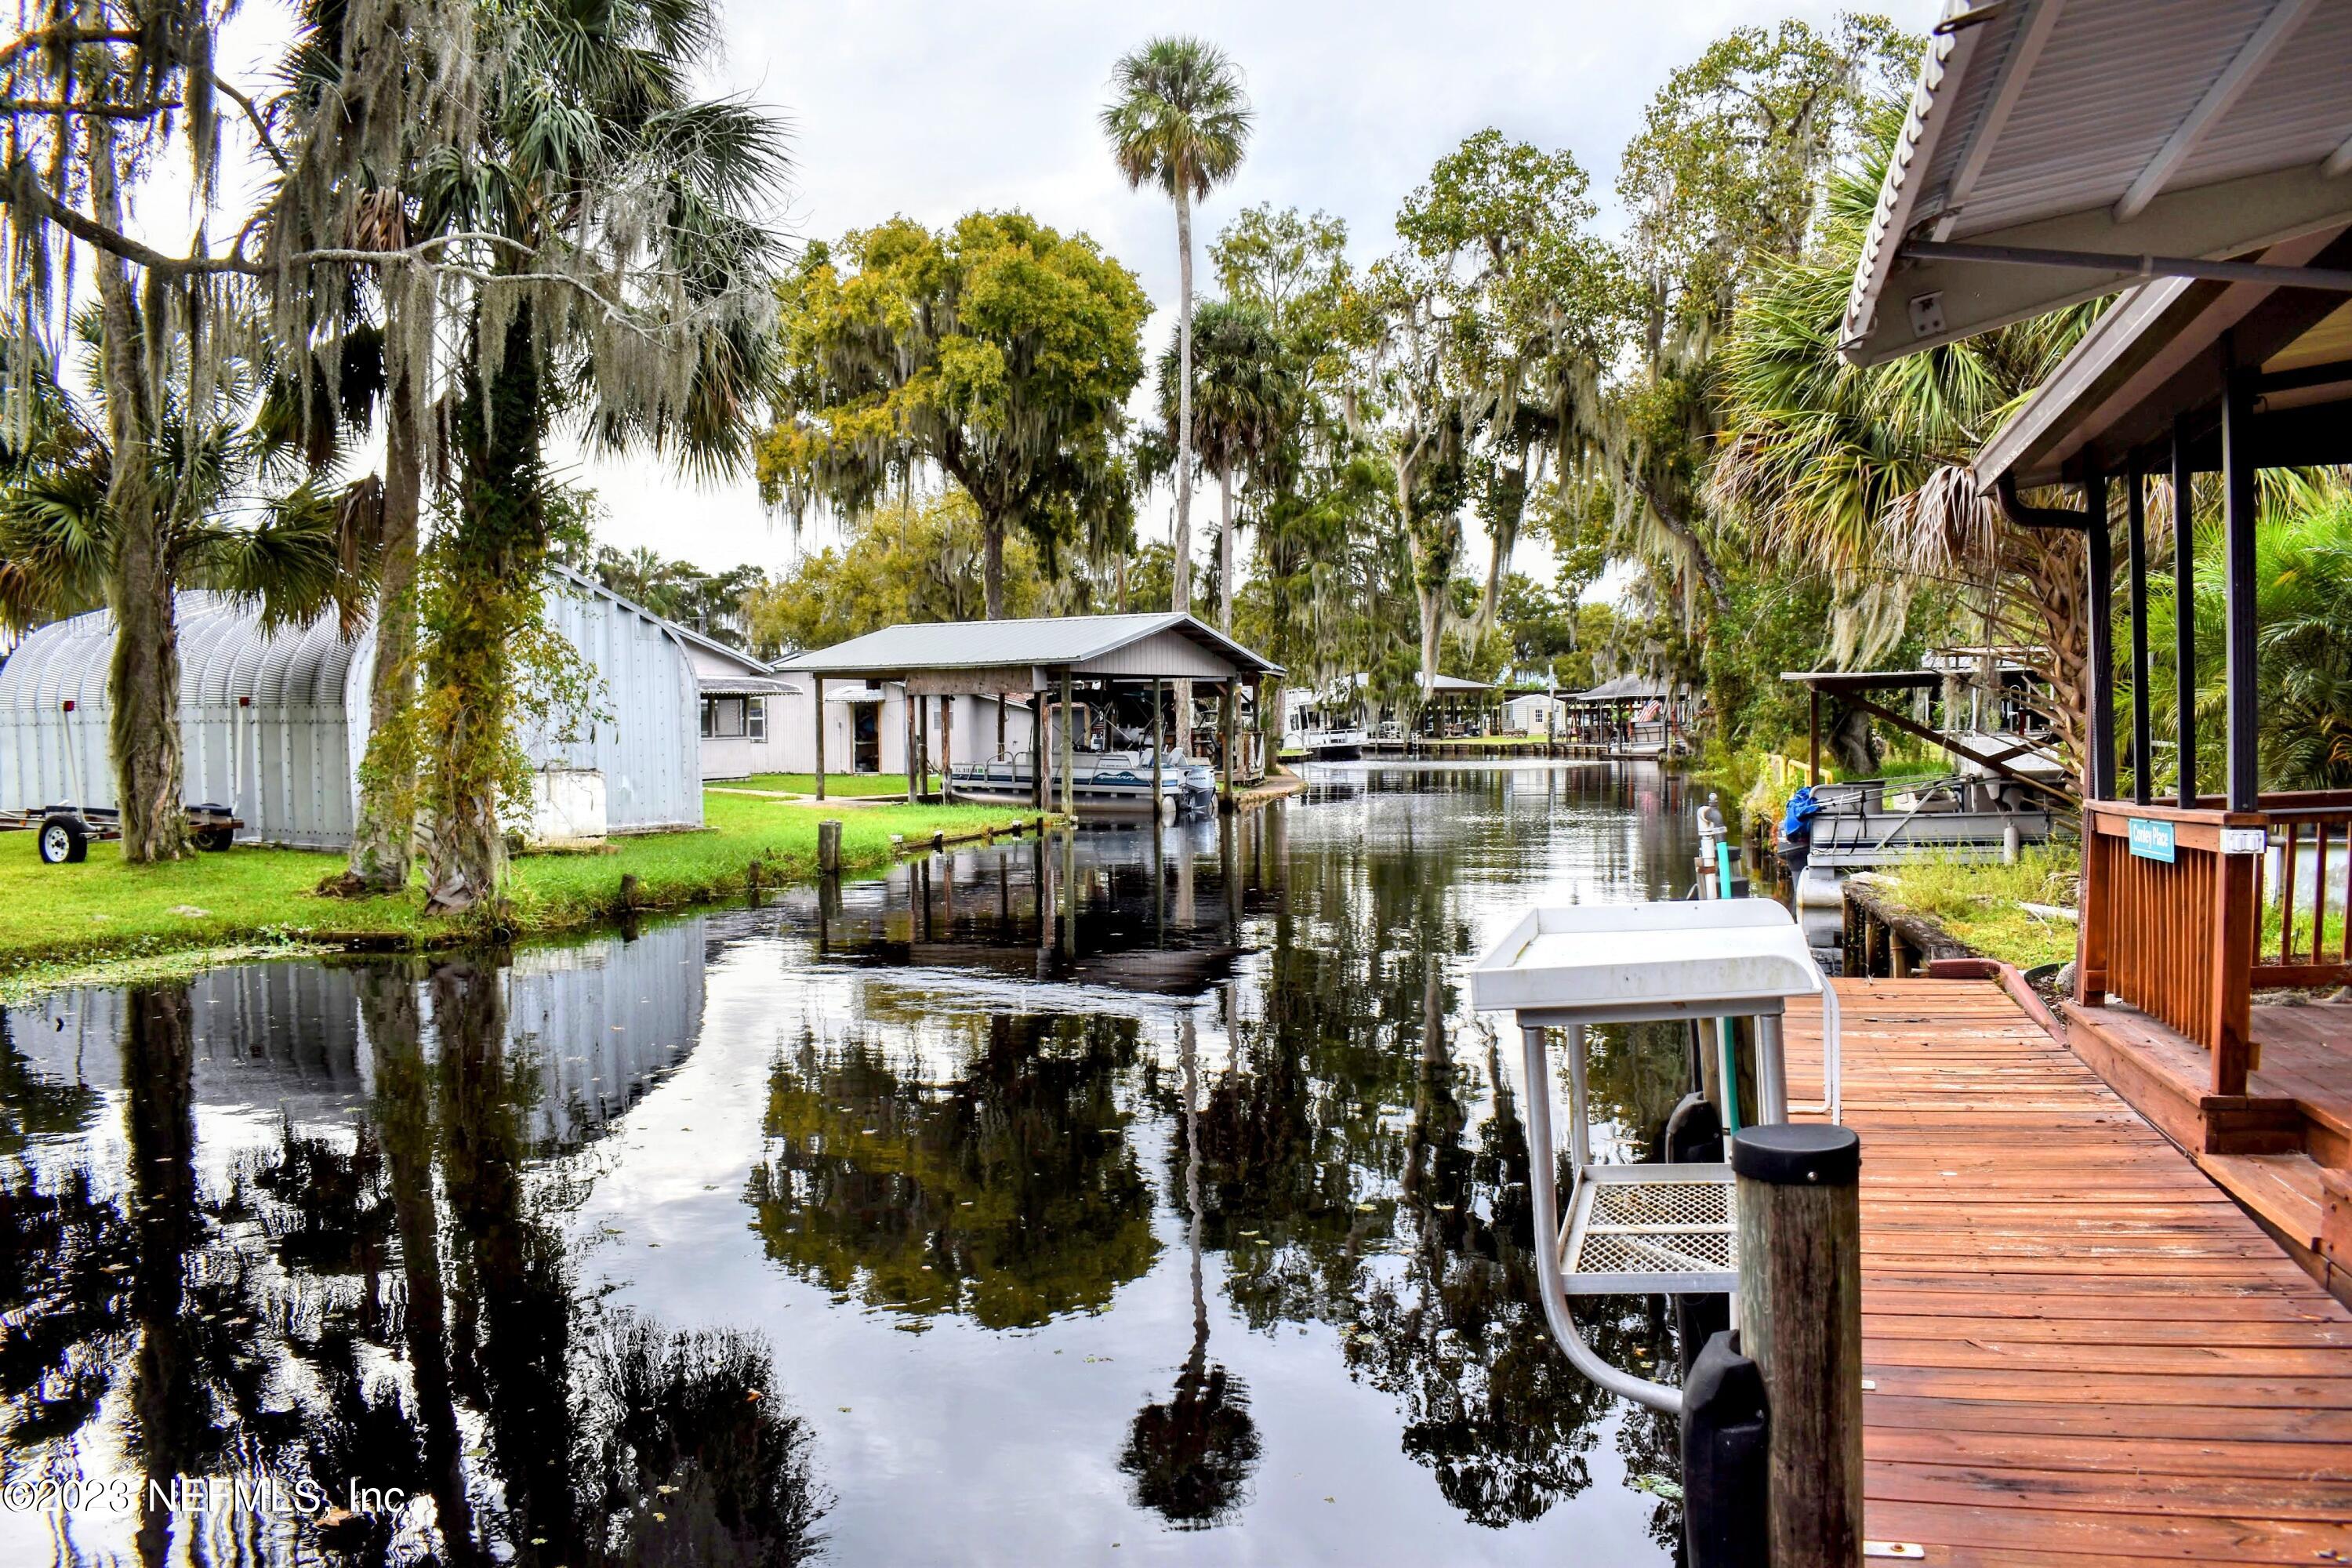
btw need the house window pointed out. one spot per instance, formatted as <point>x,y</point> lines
<point>755,719</point>
<point>722,717</point>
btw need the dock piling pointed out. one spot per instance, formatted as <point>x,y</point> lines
<point>828,847</point>
<point>1799,1316</point>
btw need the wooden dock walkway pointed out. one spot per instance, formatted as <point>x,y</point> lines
<point>2080,1351</point>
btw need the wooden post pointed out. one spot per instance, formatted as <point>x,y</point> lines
<point>2184,610</point>
<point>2092,920</point>
<point>2099,772</point>
<point>2236,924</point>
<point>828,847</point>
<point>1813,728</point>
<point>2240,505</point>
<point>1069,754</point>
<point>907,714</point>
<point>2135,549</point>
<point>820,737</point>
<point>1157,747</point>
<point>1038,704</point>
<point>923,745</point>
<point>1799,1304</point>
<point>1226,707</point>
<point>947,749</point>
<point>1000,726</point>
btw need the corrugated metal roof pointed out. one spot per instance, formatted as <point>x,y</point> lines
<point>2199,128</point>
<point>1457,683</point>
<point>1624,688</point>
<point>1072,641</point>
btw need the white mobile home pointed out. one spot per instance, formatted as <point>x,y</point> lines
<point>274,724</point>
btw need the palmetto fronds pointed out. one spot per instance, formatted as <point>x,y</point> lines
<point>1178,117</point>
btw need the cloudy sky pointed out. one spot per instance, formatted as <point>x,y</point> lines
<point>933,110</point>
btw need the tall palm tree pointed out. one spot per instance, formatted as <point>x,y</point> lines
<point>1179,120</point>
<point>1250,403</point>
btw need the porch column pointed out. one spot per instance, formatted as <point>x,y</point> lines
<point>1038,707</point>
<point>2135,546</point>
<point>820,737</point>
<point>2099,783</point>
<point>1069,754</point>
<point>946,750</point>
<point>2238,516</point>
<point>907,713</point>
<point>2184,611</point>
<point>1226,708</point>
<point>1000,724</point>
<point>1157,746</point>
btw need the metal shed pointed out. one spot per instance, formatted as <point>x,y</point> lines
<point>275,724</point>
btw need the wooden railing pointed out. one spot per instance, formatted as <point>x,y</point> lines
<point>2176,927</point>
<point>2310,847</point>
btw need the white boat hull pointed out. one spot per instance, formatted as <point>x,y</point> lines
<point>1102,783</point>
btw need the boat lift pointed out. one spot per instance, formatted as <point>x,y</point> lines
<point>1656,1228</point>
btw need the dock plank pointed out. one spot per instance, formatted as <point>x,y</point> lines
<point>2081,1351</point>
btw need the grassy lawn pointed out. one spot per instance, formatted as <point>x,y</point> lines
<point>1980,903</point>
<point>102,909</point>
<point>849,785</point>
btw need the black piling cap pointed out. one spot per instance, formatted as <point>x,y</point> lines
<point>1789,1153</point>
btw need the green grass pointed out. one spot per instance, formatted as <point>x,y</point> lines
<point>1980,902</point>
<point>847,785</point>
<point>60,919</point>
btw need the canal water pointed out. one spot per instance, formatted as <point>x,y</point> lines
<point>1091,1199</point>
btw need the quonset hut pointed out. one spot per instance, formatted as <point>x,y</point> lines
<point>275,724</point>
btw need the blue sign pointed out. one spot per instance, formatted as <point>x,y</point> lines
<point>2151,840</point>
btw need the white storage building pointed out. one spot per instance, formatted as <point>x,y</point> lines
<point>275,724</point>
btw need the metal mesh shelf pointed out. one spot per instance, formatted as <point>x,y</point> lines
<point>1651,1230</point>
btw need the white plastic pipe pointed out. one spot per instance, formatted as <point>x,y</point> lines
<point>1543,1193</point>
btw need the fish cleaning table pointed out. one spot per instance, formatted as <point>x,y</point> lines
<point>1643,1229</point>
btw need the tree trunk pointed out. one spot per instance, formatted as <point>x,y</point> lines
<point>1433,621</point>
<point>1672,521</point>
<point>144,677</point>
<point>490,595</point>
<point>1181,591</point>
<point>382,845</point>
<point>1505,522</point>
<point>1226,552</point>
<point>992,568</point>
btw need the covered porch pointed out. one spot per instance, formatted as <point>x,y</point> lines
<point>2213,940</point>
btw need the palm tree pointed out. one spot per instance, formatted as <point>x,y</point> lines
<point>1250,403</point>
<point>1860,474</point>
<point>1181,120</point>
<point>623,272</point>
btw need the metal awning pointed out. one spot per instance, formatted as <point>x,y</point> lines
<point>2152,137</point>
<point>1027,654</point>
<point>1623,689</point>
<point>743,686</point>
<point>1835,682</point>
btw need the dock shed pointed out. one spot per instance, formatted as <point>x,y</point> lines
<point>981,667</point>
<point>274,724</point>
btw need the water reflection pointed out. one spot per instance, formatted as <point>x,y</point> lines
<point>1122,1187</point>
<point>1009,1192</point>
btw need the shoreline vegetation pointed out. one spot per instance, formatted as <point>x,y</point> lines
<point>107,921</point>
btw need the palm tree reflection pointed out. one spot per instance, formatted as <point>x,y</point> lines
<point>1191,1456</point>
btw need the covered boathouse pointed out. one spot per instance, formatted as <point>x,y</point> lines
<point>1055,663</point>
<point>2196,158</point>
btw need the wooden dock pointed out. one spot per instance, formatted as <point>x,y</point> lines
<point>2079,1351</point>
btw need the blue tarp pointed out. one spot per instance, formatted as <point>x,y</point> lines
<point>1802,809</point>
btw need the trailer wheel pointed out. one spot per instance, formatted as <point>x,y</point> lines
<point>64,840</point>
<point>214,840</point>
